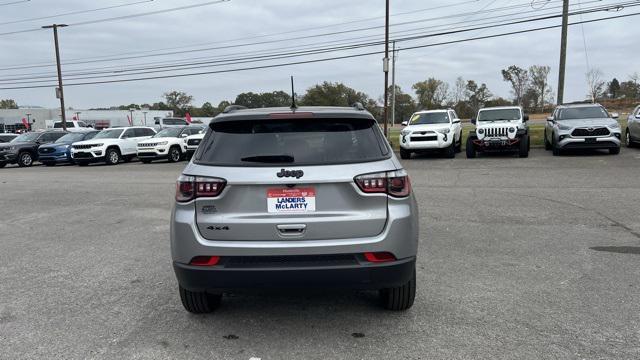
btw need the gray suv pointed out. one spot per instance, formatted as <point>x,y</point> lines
<point>280,197</point>
<point>582,126</point>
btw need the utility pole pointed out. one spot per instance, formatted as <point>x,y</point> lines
<point>385,68</point>
<point>393,85</point>
<point>563,51</point>
<point>59,91</point>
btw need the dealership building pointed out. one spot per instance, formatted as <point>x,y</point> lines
<point>40,118</point>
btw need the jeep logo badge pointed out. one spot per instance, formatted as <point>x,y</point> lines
<point>290,173</point>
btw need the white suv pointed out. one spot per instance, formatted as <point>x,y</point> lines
<point>431,130</point>
<point>170,144</point>
<point>110,145</point>
<point>193,142</point>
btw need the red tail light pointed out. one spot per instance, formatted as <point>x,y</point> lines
<point>379,257</point>
<point>205,260</point>
<point>394,183</point>
<point>192,187</point>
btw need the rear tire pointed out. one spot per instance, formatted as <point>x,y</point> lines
<point>401,297</point>
<point>25,159</point>
<point>199,302</point>
<point>2,164</point>
<point>523,151</point>
<point>112,157</point>
<point>145,161</point>
<point>81,163</point>
<point>459,146</point>
<point>471,149</point>
<point>49,163</point>
<point>450,151</point>
<point>554,147</point>
<point>627,139</point>
<point>405,154</point>
<point>614,151</point>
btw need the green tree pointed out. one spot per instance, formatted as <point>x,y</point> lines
<point>477,96</point>
<point>259,100</point>
<point>613,88</point>
<point>178,101</point>
<point>8,104</point>
<point>337,94</point>
<point>207,110</point>
<point>519,80</point>
<point>431,93</point>
<point>405,105</point>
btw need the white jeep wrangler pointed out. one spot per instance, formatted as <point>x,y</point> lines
<point>499,129</point>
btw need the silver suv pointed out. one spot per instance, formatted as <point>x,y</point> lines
<point>582,126</point>
<point>297,197</point>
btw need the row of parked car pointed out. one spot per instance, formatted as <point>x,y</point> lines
<point>498,129</point>
<point>111,146</point>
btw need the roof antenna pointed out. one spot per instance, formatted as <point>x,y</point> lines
<point>293,96</point>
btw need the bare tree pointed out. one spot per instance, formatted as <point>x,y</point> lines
<point>540,83</point>
<point>458,92</point>
<point>595,84</point>
<point>519,79</point>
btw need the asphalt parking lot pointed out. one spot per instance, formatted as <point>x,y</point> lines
<point>534,258</point>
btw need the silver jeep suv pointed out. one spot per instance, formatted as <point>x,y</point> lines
<point>298,197</point>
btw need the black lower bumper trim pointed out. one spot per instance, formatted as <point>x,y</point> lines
<point>596,145</point>
<point>360,276</point>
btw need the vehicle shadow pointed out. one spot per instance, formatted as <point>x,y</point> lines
<point>635,250</point>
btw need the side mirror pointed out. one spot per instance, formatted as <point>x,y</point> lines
<point>405,123</point>
<point>473,121</point>
<point>525,118</point>
<point>615,115</point>
<point>638,116</point>
<point>184,135</point>
<point>550,119</point>
<point>456,121</point>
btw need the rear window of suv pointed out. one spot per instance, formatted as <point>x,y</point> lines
<point>293,142</point>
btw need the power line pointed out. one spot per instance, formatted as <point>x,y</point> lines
<point>14,2</point>
<point>233,61</point>
<point>173,52</point>
<point>116,18</point>
<point>322,59</point>
<point>75,12</point>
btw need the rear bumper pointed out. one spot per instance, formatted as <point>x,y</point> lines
<point>358,276</point>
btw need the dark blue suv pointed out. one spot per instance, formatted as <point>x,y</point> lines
<point>60,151</point>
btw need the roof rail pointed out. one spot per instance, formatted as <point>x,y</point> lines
<point>358,106</point>
<point>231,108</point>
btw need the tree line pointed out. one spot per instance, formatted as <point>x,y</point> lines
<point>530,89</point>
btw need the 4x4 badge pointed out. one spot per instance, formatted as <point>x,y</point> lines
<point>217,228</point>
<point>290,173</point>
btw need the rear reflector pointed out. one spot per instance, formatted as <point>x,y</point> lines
<point>379,257</point>
<point>205,260</point>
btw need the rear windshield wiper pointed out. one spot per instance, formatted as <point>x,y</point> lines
<point>269,159</point>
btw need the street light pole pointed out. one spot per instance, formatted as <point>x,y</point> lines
<point>385,68</point>
<point>60,91</point>
<point>563,51</point>
<point>393,85</point>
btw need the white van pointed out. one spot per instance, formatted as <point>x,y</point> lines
<point>169,122</point>
<point>72,126</point>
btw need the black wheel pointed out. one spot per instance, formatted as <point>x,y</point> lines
<point>401,297</point>
<point>25,159</point>
<point>49,163</point>
<point>554,147</point>
<point>405,154</point>
<point>450,151</point>
<point>471,149</point>
<point>112,157</point>
<point>523,151</point>
<point>127,158</point>
<point>81,163</point>
<point>547,144</point>
<point>145,161</point>
<point>199,302</point>
<point>2,164</point>
<point>627,139</point>
<point>614,151</point>
<point>174,154</point>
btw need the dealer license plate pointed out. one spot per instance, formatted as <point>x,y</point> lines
<point>294,200</point>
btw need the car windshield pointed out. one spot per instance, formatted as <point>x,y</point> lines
<point>587,112</point>
<point>293,142</point>
<point>58,125</point>
<point>429,118</point>
<point>172,132</point>
<point>499,115</point>
<point>28,137</point>
<point>109,134</point>
<point>71,137</point>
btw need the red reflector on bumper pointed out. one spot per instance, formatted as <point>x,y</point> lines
<point>205,260</point>
<point>378,257</point>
